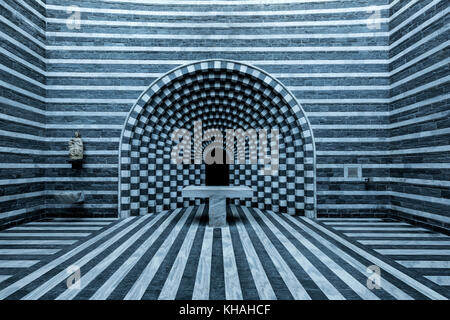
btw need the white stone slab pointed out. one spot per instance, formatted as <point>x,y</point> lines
<point>225,191</point>
<point>217,200</point>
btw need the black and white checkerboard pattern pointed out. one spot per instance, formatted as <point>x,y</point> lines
<point>223,95</point>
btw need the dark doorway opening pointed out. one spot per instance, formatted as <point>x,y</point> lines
<point>217,174</point>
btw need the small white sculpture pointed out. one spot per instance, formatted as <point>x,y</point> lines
<point>76,147</point>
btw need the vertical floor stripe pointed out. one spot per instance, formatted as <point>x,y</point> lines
<point>186,289</point>
<point>263,285</point>
<point>233,289</point>
<point>140,286</point>
<point>291,281</point>
<point>170,288</point>
<point>248,286</point>
<point>202,279</point>
<point>217,276</point>
<point>322,282</point>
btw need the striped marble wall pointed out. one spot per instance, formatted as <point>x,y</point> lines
<point>420,112</point>
<point>324,51</point>
<point>23,148</point>
<point>339,59</point>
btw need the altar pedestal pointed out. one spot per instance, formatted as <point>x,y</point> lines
<point>217,200</point>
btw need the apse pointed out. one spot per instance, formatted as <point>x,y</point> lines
<point>221,95</point>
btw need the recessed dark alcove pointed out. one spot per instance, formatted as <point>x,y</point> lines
<point>217,174</point>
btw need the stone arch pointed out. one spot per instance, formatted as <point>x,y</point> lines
<point>223,93</point>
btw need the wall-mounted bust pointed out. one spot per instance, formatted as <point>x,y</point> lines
<point>76,147</point>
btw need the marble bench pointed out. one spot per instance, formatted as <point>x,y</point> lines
<point>217,200</point>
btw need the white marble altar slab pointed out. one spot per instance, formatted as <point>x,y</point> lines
<point>224,191</point>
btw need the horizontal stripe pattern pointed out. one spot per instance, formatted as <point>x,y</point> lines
<point>412,202</point>
<point>21,248</point>
<point>420,250</point>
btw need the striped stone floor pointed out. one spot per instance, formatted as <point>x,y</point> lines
<point>175,255</point>
<point>424,252</point>
<point>27,245</point>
